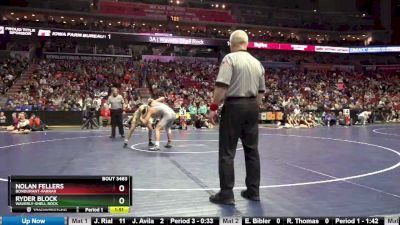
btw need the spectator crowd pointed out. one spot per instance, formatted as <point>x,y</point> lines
<point>66,85</point>
<point>10,69</point>
<point>70,85</point>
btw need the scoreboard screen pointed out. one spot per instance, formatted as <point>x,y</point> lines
<point>85,194</point>
<point>174,18</point>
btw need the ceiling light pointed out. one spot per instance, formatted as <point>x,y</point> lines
<point>223,6</point>
<point>81,18</point>
<point>119,22</point>
<point>143,24</point>
<point>37,20</point>
<point>62,17</point>
<point>17,18</point>
<point>72,20</point>
<point>109,24</point>
<point>33,15</point>
<point>160,25</point>
<point>12,13</point>
<point>101,21</point>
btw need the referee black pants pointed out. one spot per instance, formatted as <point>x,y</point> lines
<point>116,120</point>
<point>239,119</point>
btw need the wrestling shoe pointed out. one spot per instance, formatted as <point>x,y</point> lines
<point>151,144</point>
<point>125,145</point>
<point>155,148</point>
<point>168,145</point>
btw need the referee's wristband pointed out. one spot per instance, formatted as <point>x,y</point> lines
<point>213,107</point>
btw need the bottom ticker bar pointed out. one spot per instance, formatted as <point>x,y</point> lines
<point>155,221</point>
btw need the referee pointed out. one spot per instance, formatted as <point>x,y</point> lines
<point>116,103</point>
<point>240,86</point>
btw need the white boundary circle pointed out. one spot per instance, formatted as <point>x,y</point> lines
<point>261,187</point>
<point>383,133</point>
<point>133,147</point>
<point>301,183</point>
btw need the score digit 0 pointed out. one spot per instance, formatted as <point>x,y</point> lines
<point>121,188</point>
<point>121,200</point>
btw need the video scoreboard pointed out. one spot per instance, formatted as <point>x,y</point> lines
<point>70,194</point>
<point>28,220</point>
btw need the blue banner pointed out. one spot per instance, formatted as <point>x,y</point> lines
<point>375,49</point>
<point>33,220</point>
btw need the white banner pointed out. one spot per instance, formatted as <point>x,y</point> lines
<point>332,49</point>
<point>91,57</point>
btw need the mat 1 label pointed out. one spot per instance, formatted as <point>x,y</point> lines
<point>79,220</point>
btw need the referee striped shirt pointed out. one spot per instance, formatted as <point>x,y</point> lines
<point>243,73</point>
